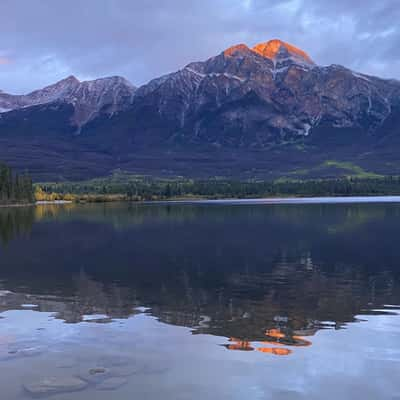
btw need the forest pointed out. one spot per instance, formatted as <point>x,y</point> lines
<point>135,188</point>
<point>15,188</point>
<point>18,188</point>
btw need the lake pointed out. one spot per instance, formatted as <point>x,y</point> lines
<point>209,300</point>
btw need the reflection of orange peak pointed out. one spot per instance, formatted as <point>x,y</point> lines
<point>301,341</point>
<point>275,350</point>
<point>238,344</point>
<point>275,333</point>
<point>239,347</point>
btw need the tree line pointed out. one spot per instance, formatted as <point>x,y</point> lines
<point>146,188</point>
<point>14,187</point>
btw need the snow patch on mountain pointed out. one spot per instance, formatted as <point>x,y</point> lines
<point>215,74</point>
<point>361,76</point>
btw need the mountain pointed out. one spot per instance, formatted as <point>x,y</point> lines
<point>88,99</point>
<point>261,96</point>
<point>266,111</point>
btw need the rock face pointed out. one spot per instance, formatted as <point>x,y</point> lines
<point>89,99</point>
<point>256,97</point>
<point>268,108</point>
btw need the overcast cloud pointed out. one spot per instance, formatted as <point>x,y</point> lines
<point>42,41</point>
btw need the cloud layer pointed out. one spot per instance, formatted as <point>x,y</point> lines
<point>42,41</point>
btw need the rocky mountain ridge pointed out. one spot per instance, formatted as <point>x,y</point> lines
<point>269,110</point>
<point>272,92</point>
<point>89,98</point>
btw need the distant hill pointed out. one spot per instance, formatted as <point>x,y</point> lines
<point>266,112</point>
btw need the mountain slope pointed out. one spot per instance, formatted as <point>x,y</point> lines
<point>89,98</point>
<point>266,111</point>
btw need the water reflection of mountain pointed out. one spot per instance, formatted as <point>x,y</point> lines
<point>272,274</point>
<point>282,307</point>
<point>88,298</point>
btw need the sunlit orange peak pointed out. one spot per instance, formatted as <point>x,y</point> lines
<point>271,49</point>
<point>235,49</point>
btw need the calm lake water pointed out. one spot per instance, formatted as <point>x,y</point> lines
<point>200,301</point>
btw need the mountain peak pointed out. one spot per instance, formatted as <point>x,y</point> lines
<point>238,48</point>
<point>275,49</point>
<point>70,78</point>
<point>112,80</point>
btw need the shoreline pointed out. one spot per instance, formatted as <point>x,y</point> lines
<point>37,203</point>
<point>230,200</point>
<point>44,202</point>
<point>288,200</point>
<point>17,205</point>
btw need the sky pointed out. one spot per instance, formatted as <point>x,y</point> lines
<point>42,41</point>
